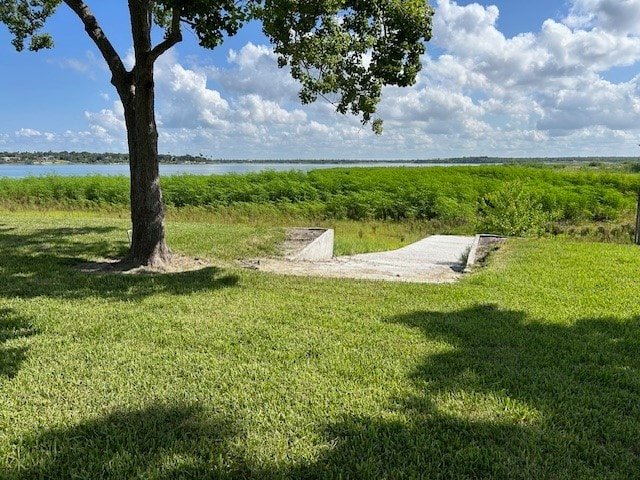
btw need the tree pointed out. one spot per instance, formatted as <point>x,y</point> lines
<point>343,49</point>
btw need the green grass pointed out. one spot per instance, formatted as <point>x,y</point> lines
<point>504,199</point>
<point>528,368</point>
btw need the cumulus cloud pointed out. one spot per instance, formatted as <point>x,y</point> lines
<point>618,16</point>
<point>111,120</point>
<point>534,87</point>
<point>255,109</point>
<point>597,103</point>
<point>542,92</point>
<point>253,70</point>
<point>35,135</point>
<point>28,133</point>
<point>185,100</point>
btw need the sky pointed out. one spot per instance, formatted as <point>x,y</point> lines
<point>508,78</point>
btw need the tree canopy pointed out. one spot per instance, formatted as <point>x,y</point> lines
<point>342,50</point>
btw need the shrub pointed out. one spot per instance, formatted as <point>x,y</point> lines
<point>513,211</point>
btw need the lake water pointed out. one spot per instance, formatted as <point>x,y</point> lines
<point>21,171</point>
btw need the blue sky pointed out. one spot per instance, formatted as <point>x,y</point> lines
<point>500,78</point>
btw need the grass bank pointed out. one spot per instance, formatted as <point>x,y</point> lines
<point>592,202</point>
<point>526,369</point>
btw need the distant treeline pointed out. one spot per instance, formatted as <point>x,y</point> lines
<point>508,199</point>
<point>88,157</point>
<point>103,158</point>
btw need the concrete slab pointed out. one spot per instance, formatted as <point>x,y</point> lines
<point>318,248</point>
<point>435,259</point>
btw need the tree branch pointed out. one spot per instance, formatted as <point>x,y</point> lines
<point>174,36</point>
<point>98,36</point>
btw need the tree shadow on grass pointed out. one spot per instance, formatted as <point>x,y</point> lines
<point>67,241</point>
<point>12,327</point>
<point>160,441</point>
<point>45,263</point>
<point>507,398</point>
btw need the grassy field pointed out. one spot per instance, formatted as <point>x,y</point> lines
<point>593,202</point>
<point>528,368</point>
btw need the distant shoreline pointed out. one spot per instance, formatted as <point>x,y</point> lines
<point>80,158</point>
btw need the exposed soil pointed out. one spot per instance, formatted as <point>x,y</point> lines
<point>179,263</point>
<point>297,238</point>
<point>487,245</point>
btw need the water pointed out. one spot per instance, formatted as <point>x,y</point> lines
<point>77,170</point>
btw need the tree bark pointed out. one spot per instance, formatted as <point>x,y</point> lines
<point>148,245</point>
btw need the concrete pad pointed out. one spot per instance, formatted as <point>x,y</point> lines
<point>435,259</point>
<point>319,248</point>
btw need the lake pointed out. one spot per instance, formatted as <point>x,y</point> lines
<point>76,170</point>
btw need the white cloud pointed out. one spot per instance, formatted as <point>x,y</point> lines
<point>543,92</point>
<point>597,103</point>
<point>619,16</point>
<point>184,99</point>
<point>111,120</point>
<point>254,70</point>
<point>34,136</point>
<point>254,108</point>
<point>533,87</point>
<point>28,133</point>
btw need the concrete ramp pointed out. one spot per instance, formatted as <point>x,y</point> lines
<point>435,259</point>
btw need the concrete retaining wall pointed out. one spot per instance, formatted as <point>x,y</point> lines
<point>320,248</point>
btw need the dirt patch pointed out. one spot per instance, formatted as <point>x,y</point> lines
<point>297,238</point>
<point>178,264</point>
<point>343,267</point>
<point>487,245</point>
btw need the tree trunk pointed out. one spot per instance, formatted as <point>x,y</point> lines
<point>148,246</point>
<point>136,90</point>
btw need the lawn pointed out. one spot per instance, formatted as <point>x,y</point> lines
<point>528,368</point>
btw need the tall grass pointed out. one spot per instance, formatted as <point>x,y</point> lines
<point>456,198</point>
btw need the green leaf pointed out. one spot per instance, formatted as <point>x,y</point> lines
<point>25,20</point>
<point>349,49</point>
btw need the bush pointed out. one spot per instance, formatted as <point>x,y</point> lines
<point>513,211</point>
